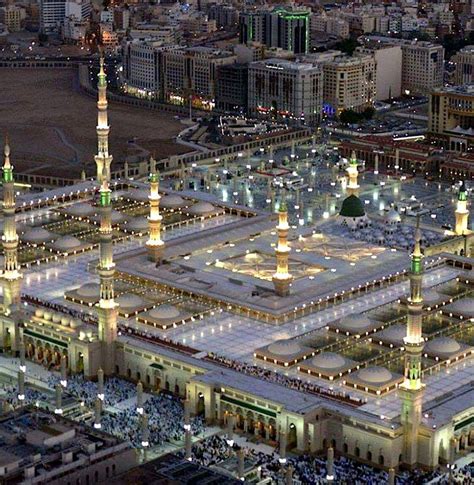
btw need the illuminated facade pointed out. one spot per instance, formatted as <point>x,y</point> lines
<point>106,308</point>
<point>411,390</point>
<point>352,172</point>
<point>155,244</point>
<point>282,278</point>
<point>462,212</point>
<point>103,159</point>
<point>11,275</point>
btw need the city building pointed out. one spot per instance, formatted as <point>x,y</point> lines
<point>142,68</point>
<point>451,117</point>
<point>282,27</point>
<point>232,88</point>
<point>39,447</point>
<point>349,83</point>
<point>52,13</point>
<point>422,63</point>
<point>388,62</point>
<point>285,90</point>
<point>464,66</point>
<point>225,16</point>
<point>191,74</point>
<point>78,9</point>
<point>11,16</point>
<point>331,25</point>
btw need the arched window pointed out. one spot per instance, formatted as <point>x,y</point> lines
<point>381,460</point>
<point>357,451</point>
<point>369,456</point>
<point>345,448</point>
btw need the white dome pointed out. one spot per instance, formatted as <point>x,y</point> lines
<point>355,321</point>
<point>394,332</point>
<point>37,235</point>
<point>284,347</point>
<point>67,243</point>
<point>129,300</point>
<point>137,224</point>
<point>80,210</point>
<point>172,201</point>
<point>375,375</point>
<point>392,217</point>
<point>164,312</point>
<point>89,290</point>
<point>201,208</point>
<point>430,296</point>
<point>254,258</point>
<point>39,312</point>
<point>115,217</point>
<point>328,360</point>
<point>443,345</point>
<point>140,195</point>
<point>464,307</point>
<point>75,323</point>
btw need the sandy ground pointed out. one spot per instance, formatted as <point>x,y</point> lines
<point>52,125</point>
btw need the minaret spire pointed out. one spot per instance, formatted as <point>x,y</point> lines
<point>11,275</point>
<point>353,186</point>
<point>103,159</point>
<point>155,244</point>
<point>106,308</point>
<point>411,391</point>
<point>282,278</point>
<point>462,212</point>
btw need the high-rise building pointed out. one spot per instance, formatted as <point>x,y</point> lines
<point>349,83</point>
<point>10,15</point>
<point>232,88</point>
<point>286,90</point>
<point>388,62</point>
<point>78,9</point>
<point>52,13</point>
<point>282,27</point>
<point>451,117</point>
<point>142,68</point>
<point>422,63</point>
<point>191,74</point>
<point>422,67</point>
<point>464,62</point>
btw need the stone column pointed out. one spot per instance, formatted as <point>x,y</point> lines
<point>63,371</point>
<point>100,384</point>
<point>187,431</point>
<point>240,464</point>
<point>59,399</point>
<point>139,398</point>
<point>330,465</point>
<point>391,476</point>
<point>98,413</point>
<point>21,386</point>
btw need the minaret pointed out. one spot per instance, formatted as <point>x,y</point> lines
<point>282,278</point>
<point>353,186</point>
<point>11,276</point>
<point>103,159</point>
<point>411,391</point>
<point>155,244</point>
<point>106,308</point>
<point>462,212</point>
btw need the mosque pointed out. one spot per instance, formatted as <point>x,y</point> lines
<point>385,378</point>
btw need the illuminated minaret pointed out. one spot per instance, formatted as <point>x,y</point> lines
<point>103,159</point>
<point>282,278</point>
<point>106,308</point>
<point>11,276</point>
<point>155,244</point>
<point>462,212</point>
<point>353,186</point>
<point>411,391</point>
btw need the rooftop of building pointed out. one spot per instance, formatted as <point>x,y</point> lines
<point>283,64</point>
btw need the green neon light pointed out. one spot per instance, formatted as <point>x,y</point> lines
<point>8,175</point>
<point>416,265</point>
<point>105,198</point>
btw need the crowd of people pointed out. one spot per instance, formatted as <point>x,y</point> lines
<point>311,470</point>
<point>165,422</point>
<point>115,390</point>
<point>276,377</point>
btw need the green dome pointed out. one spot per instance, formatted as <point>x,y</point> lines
<point>352,207</point>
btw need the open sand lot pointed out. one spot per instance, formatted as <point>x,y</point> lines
<point>52,125</point>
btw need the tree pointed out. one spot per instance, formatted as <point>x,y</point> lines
<point>347,45</point>
<point>349,117</point>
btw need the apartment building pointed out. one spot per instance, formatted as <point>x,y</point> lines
<point>142,68</point>
<point>52,13</point>
<point>349,83</point>
<point>388,62</point>
<point>286,91</point>
<point>192,73</point>
<point>10,16</point>
<point>464,62</point>
<point>451,117</point>
<point>422,63</point>
<point>282,27</point>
